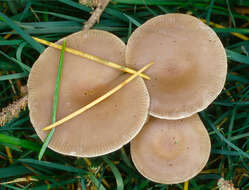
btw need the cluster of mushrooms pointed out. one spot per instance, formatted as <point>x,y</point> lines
<point>169,146</point>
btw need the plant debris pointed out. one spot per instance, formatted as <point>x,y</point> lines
<point>13,110</point>
<point>226,184</point>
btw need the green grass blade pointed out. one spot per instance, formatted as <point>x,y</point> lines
<point>82,183</point>
<point>231,124</point>
<point>62,16</point>
<point>210,8</point>
<point>76,5</point>
<point>56,185</point>
<point>96,182</point>
<point>230,30</point>
<point>132,20</point>
<point>148,2</point>
<point>239,136</point>
<point>40,48</point>
<point>242,153</point>
<point>225,152</point>
<point>13,171</point>
<point>10,42</point>
<point>55,104</point>
<point>230,12</point>
<point>13,76</point>
<point>11,187</point>
<point>125,158</point>
<point>237,57</point>
<point>239,78</point>
<point>53,165</point>
<point>22,65</point>
<point>118,177</point>
<point>19,142</point>
<point>19,52</point>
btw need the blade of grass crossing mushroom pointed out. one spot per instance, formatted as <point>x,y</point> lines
<point>91,57</point>
<point>98,100</point>
<point>55,104</point>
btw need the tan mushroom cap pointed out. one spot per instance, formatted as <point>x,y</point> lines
<point>107,126</point>
<point>171,151</point>
<point>191,64</point>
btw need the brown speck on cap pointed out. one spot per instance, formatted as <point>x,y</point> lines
<point>173,162</point>
<point>108,125</point>
<point>191,64</point>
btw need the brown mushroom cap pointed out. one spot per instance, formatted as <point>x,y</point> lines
<point>171,151</point>
<point>191,64</point>
<point>107,126</point>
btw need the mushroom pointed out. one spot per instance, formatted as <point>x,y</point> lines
<point>107,126</point>
<point>171,151</point>
<point>190,68</point>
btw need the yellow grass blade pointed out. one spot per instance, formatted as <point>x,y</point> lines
<point>98,100</point>
<point>91,57</point>
<point>186,185</point>
<point>241,36</point>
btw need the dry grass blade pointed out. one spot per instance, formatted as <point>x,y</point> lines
<point>186,185</point>
<point>241,36</point>
<point>91,57</point>
<point>98,100</point>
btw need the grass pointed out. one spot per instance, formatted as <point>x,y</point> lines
<point>227,119</point>
<point>55,102</point>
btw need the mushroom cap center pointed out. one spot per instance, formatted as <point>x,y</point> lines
<point>175,70</point>
<point>190,67</point>
<point>168,145</point>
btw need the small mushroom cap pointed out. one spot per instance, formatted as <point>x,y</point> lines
<point>171,151</point>
<point>108,125</point>
<point>191,64</point>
